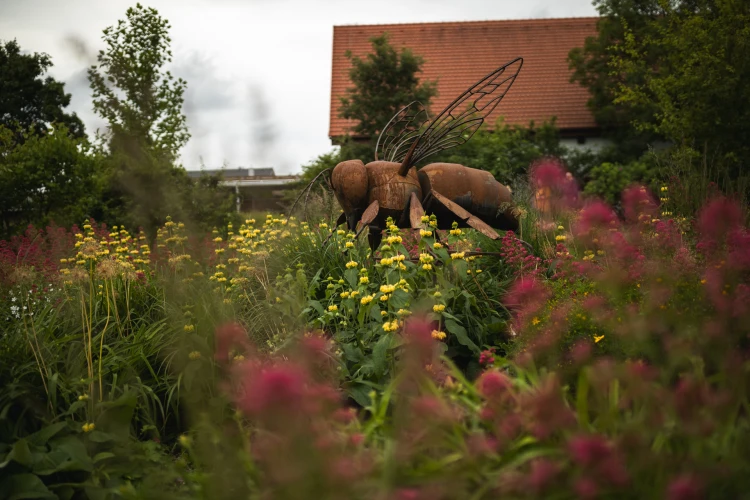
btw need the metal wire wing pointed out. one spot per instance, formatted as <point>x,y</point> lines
<point>401,131</point>
<point>458,122</point>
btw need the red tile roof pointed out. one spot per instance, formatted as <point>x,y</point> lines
<point>457,54</point>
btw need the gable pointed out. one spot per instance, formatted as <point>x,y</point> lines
<point>457,54</point>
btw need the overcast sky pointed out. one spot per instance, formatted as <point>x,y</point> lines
<point>258,71</point>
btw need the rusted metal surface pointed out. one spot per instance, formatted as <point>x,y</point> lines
<point>371,193</point>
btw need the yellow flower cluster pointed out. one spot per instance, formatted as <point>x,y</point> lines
<point>88,427</point>
<point>390,326</point>
<point>438,334</point>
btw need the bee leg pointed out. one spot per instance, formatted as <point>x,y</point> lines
<point>465,216</point>
<point>374,237</point>
<point>339,221</point>
<point>416,212</point>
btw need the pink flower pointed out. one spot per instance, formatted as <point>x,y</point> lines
<point>685,487</point>
<point>718,219</point>
<point>272,389</point>
<point>493,384</point>
<point>543,472</point>
<point>588,450</point>
<point>639,205</point>
<point>596,215</point>
<point>230,336</point>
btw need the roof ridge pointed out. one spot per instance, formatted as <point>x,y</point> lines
<point>480,21</point>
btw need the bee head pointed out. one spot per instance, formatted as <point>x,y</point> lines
<point>349,181</point>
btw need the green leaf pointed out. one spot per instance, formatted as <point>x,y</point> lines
<point>461,335</point>
<point>100,437</point>
<point>103,456</point>
<point>21,486</point>
<point>352,277</point>
<point>316,305</point>
<point>379,353</point>
<point>20,454</point>
<point>43,435</point>
<point>359,393</point>
<point>582,398</point>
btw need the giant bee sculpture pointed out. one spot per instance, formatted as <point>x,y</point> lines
<point>393,186</point>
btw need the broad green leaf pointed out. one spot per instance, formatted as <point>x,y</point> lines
<point>43,435</point>
<point>20,454</point>
<point>461,335</point>
<point>23,486</point>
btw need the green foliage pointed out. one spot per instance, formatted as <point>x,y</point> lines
<point>50,177</point>
<point>383,82</point>
<point>507,151</point>
<point>339,289</point>
<point>140,100</point>
<point>695,92</point>
<point>609,180</point>
<point>29,102</point>
<point>592,68</point>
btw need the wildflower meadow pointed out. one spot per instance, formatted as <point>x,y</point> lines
<point>594,354</point>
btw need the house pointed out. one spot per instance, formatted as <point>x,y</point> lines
<point>256,189</point>
<point>458,54</point>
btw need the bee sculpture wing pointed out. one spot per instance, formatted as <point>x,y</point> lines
<point>401,131</point>
<point>458,122</point>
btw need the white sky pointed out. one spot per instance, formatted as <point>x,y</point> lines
<point>250,65</point>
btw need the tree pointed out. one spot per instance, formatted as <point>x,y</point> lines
<point>591,65</point>
<point>700,89</point>
<point>383,82</point>
<point>45,178</point>
<point>141,101</point>
<point>28,101</point>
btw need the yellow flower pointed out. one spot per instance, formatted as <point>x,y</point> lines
<point>560,228</point>
<point>366,299</point>
<point>390,326</point>
<point>438,334</point>
<point>403,312</point>
<point>184,441</point>
<point>88,427</point>
<point>333,308</point>
<point>560,237</point>
<point>364,280</point>
<point>456,232</point>
<point>384,313</point>
<point>598,338</point>
<point>194,355</point>
<point>393,239</point>
<point>438,308</point>
<point>340,232</point>
<point>457,255</point>
<point>425,234</point>
<point>535,321</point>
<point>427,267</point>
<point>437,294</point>
<point>385,297</point>
<point>386,261</point>
<point>425,219</point>
<point>349,244</point>
<point>437,246</point>
<point>399,258</point>
<point>387,288</point>
<point>353,293</point>
<point>344,295</point>
<point>425,258</point>
<point>83,397</point>
<point>188,328</point>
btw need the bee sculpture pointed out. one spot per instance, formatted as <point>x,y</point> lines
<point>395,187</point>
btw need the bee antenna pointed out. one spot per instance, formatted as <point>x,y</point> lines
<point>307,188</point>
